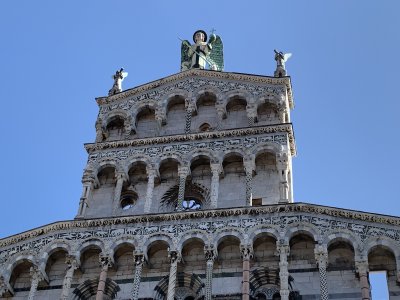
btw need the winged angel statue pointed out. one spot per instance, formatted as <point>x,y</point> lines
<point>202,53</point>
<point>118,78</point>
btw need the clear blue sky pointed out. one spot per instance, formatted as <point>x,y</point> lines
<point>57,56</point>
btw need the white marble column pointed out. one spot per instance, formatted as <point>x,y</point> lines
<point>283,169</point>
<point>210,257</point>
<point>249,167</point>
<point>151,174</point>
<point>221,112</point>
<point>251,111</point>
<point>36,277</point>
<point>88,181</point>
<point>5,287</point>
<point>188,119</point>
<point>72,264</point>
<point>139,260</point>
<point>321,257</point>
<point>215,171</point>
<point>183,172</point>
<point>121,178</point>
<point>247,254</point>
<point>283,251</point>
<point>106,262</point>
<point>362,270</point>
<point>175,258</point>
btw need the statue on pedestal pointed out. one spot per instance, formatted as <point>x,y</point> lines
<point>281,58</point>
<point>202,53</point>
<point>118,78</point>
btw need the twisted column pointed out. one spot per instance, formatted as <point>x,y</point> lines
<point>321,256</point>
<point>210,257</point>
<point>175,258</point>
<point>188,119</point>
<point>105,262</point>
<point>72,265</point>
<point>88,181</point>
<point>36,277</point>
<point>246,253</point>
<point>283,251</point>
<point>139,259</point>
<point>215,171</point>
<point>151,173</point>
<point>362,270</point>
<point>249,168</point>
<point>183,172</point>
<point>251,111</point>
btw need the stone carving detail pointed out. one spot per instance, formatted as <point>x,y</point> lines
<point>175,258</point>
<point>139,259</point>
<point>278,216</point>
<point>36,277</point>
<point>321,256</point>
<point>72,264</point>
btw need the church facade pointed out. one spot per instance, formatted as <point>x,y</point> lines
<point>187,194</point>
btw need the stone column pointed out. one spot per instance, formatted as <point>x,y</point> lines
<point>5,287</point>
<point>175,258</point>
<point>247,254</point>
<point>189,113</point>
<point>283,251</point>
<point>210,257</point>
<point>88,181</point>
<point>151,174</point>
<point>105,262</point>
<point>99,131</point>
<point>36,277</point>
<point>321,256</point>
<point>251,111</point>
<point>362,270</point>
<point>282,114</point>
<point>249,168</point>
<point>221,113</point>
<point>72,264</point>
<point>215,170</point>
<point>283,169</point>
<point>183,172</point>
<point>121,177</point>
<point>139,259</point>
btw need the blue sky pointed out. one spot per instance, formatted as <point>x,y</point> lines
<point>57,56</point>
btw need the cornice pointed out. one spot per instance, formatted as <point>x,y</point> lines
<point>201,73</point>
<point>90,147</point>
<point>202,214</point>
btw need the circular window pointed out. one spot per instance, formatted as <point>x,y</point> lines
<point>191,204</point>
<point>128,200</point>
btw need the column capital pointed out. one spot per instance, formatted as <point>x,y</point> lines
<point>362,266</point>
<point>249,165</point>
<point>282,249</point>
<point>216,168</point>
<point>106,261</point>
<point>321,255</point>
<point>5,287</point>
<point>282,160</point>
<point>174,256</point>
<point>246,251</point>
<point>36,274</point>
<point>210,253</point>
<point>183,171</point>
<point>151,170</point>
<point>121,175</point>
<point>72,262</point>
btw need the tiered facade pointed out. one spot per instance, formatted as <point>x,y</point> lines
<point>187,194</point>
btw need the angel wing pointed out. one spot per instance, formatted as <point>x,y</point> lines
<point>185,59</point>
<point>286,56</point>
<point>124,74</point>
<point>216,57</point>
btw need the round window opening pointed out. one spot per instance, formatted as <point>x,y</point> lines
<point>191,204</point>
<point>128,200</point>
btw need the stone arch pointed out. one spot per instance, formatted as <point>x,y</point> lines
<point>238,93</point>
<point>300,227</point>
<point>152,104</point>
<point>107,162</point>
<point>269,98</point>
<point>116,113</point>
<point>262,229</point>
<point>137,159</point>
<point>15,261</point>
<point>176,92</point>
<point>52,248</point>
<point>266,146</point>
<point>157,237</point>
<point>193,234</point>
<point>191,156</point>
<point>191,282</point>
<point>233,151</point>
<point>171,155</point>
<point>344,235</point>
<point>208,89</point>
<point>388,243</point>
<point>223,233</point>
<point>90,243</point>
<point>123,240</point>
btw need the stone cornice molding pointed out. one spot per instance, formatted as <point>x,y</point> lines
<point>211,213</point>
<point>201,73</point>
<point>91,147</point>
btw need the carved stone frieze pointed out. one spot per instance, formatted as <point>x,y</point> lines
<point>192,80</point>
<point>325,220</point>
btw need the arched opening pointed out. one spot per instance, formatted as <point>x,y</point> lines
<point>56,267</point>
<point>229,256</point>
<point>302,247</point>
<point>158,263</point>
<point>340,255</point>
<point>146,124</point>
<point>266,180</point>
<point>264,248</point>
<point>124,263</point>
<point>175,111</point>
<point>206,113</point>
<point>236,113</point>
<point>205,127</point>
<point>115,128</point>
<point>193,258</point>
<point>267,113</point>
<point>106,176</point>
<point>90,267</point>
<point>232,186</point>
<point>134,189</point>
<point>20,279</point>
